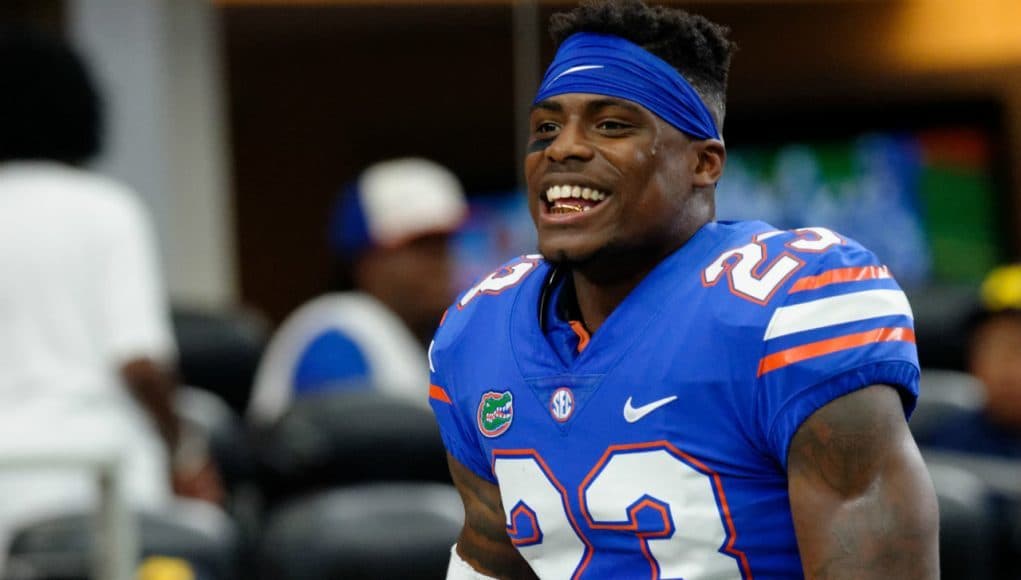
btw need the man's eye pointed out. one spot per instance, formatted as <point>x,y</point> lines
<point>613,126</point>
<point>544,128</point>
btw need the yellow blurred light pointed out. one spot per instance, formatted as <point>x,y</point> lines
<point>939,34</point>
<point>165,568</point>
<point>1001,290</point>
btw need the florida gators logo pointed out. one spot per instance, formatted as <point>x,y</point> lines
<point>496,411</point>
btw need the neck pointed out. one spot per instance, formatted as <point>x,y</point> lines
<point>601,284</point>
<point>598,298</point>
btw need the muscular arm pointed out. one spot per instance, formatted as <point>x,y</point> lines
<point>862,500</point>
<point>484,543</point>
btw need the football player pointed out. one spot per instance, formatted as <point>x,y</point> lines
<point>658,394</point>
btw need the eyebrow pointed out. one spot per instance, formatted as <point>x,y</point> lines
<point>547,105</point>
<point>599,104</point>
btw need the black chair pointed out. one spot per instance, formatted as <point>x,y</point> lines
<point>346,437</point>
<point>967,530</point>
<point>61,548</point>
<point>219,351</point>
<point>372,531</point>
<point>1001,479</point>
<point>226,433</point>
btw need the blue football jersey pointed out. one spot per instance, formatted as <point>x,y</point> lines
<point>660,449</point>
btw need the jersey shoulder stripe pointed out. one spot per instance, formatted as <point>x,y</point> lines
<point>845,308</point>
<point>819,348</point>
<point>834,310</point>
<point>840,276</point>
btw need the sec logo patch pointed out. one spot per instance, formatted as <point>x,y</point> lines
<point>561,404</point>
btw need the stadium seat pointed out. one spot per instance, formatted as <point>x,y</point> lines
<point>60,548</point>
<point>219,351</point>
<point>945,395</point>
<point>967,529</point>
<point>397,530</point>
<point>345,437</point>
<point>1001,479</point>
<point>227,434</point>
<point>230,447</point>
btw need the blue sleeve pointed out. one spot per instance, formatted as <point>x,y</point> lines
<point>844,325</point>
<point>457,424</point>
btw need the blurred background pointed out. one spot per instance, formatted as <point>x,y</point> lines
<point>896,122</point>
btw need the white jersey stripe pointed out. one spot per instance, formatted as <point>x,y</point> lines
<point>837,310</point>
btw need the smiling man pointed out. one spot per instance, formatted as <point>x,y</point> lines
<point>658,394</point>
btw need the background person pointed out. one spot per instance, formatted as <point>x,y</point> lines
<point>994,358</point>
<point>86,349</point>
<point>391,235</point>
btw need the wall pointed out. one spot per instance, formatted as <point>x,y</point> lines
<point>158,63</point>
<point>319,89</point>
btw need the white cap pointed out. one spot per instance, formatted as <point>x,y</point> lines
<point>397,201</point>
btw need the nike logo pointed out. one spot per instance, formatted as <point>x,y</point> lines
<point>632,414</point>
<point>574,69</point>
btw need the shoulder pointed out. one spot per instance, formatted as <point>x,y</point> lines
<point>765,266</point>
<point>811,299</point>
<point>328,309</point>
<point>63,187</point>
<point>495,294</point>
<point>489,302</point>
<point>820,315</point>
<point>354,317</point>
<point>110,204</point>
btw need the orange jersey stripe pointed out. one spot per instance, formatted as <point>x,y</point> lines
<point>437,392</point>
<point>804,352</point>
<point>840,275</point>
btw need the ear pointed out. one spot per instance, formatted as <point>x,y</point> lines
<point>712,155</point>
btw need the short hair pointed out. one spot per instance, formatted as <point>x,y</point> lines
<point>49,106</point>
<point>697,48</point>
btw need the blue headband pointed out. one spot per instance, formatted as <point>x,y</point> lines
<point>610,65</point>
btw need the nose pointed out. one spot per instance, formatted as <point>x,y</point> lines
<point>570,143</point>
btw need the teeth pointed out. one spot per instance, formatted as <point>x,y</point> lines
<point>573,192</point>
<point>567,208</point>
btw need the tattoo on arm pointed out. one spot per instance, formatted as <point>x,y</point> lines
<point>484,542</point>
<point>862,500</point>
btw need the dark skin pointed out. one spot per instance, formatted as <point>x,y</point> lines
<point>153,387</point>
<point>861,499</point>
<point>660,185</point>
<point>484,543</point>
<point>992,358</point>
<point>414,279</point>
